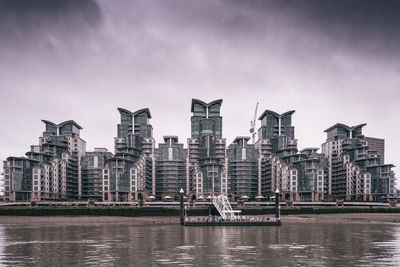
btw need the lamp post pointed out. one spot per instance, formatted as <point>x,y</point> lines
<point>182,208</point>
<point>277,207</point>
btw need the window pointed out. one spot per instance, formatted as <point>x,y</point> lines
<point>294,183</point>
<point>35,188</point>
<point>319,172</point>
<point>35,183</point>
<point>106,188</point>
<point>105,182</point>
<point>320,183</point>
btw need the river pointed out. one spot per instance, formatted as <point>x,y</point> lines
<point>102,241</point>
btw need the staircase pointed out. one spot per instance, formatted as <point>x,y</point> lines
<point>224,208</point>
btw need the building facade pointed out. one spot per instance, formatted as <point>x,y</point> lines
<point>93,164</point>
<point>207,162</point>
<point>170,168</point>
<point>50,170</point>
<point>242,168</point>
<point>354,171</point>
<point>298,176</point>
<point>130,173</point>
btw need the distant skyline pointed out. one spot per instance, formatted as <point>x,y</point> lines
<point>331,61</point>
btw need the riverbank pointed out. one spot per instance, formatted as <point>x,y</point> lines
<point>173,211</point>
<point>359,218</point>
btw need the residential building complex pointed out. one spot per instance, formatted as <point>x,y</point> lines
<point>349,166</point>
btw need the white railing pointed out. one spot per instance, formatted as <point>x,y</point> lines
<point>224,208</point>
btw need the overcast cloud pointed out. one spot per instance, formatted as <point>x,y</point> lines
<point>332,61</point>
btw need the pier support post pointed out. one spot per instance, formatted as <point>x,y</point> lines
<point>277,207</point>
<point>182,208</point>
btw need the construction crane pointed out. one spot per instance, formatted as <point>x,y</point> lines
<point>253,125</point>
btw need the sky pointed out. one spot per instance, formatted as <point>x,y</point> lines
<point>331,61</point>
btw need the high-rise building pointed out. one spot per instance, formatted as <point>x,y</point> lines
<point>242,168</point>
<point>298,176</point>
<point>275,145</point>
<point>207,162</point>
<point>354,171</point>
<point>51,170</point>
<point>93,164</point>
<point>130,173</point>
<point>378,145</point>
<point>307,174</point>
<point>170,167</point>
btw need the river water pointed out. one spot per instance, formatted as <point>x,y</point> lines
<point>127,244</point>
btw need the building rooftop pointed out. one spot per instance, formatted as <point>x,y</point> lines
<point>276,114</point>
<point>346,127</point>
<point>204,104</point>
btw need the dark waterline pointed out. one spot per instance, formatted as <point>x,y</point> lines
<point>106,244</point>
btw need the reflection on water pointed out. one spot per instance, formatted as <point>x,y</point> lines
<point>124,244</point>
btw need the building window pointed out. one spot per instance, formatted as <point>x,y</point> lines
<point>106,188</point>
<point>35,182</point>
<point>105,182</point>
